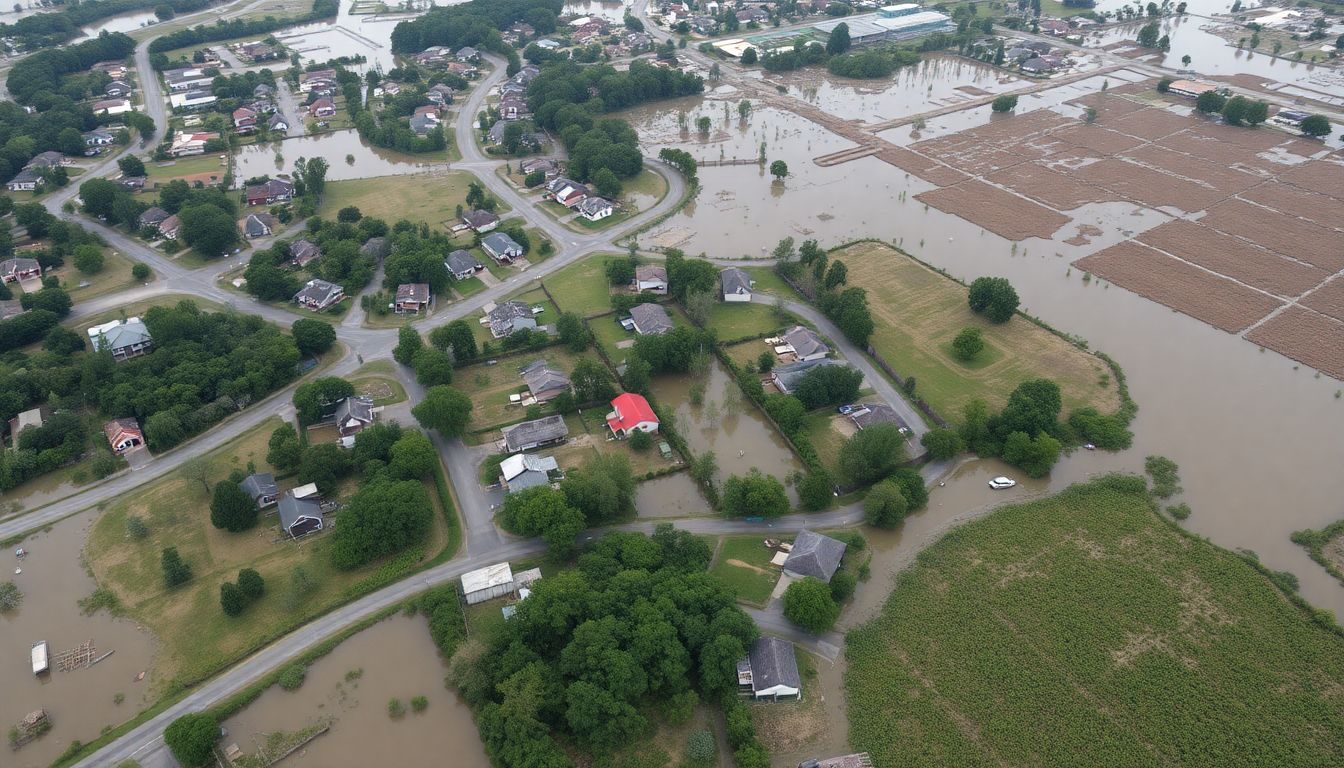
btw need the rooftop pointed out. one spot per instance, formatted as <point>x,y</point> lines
<point>815,555</point>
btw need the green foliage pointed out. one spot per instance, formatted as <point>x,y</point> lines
<point>1316,126</point>
<point>291,677</point>
<point>395,709</point>
<point>1105,431</point>
<point>842,585</point>
<point>136,528</point>
<point>231,509</point>
<point>433,367</point>
<point>231,599</point>
<point>317,398</point>
<point>10,596</point>
<point>1004,103</point>
<point>380,519</point>
<point>445,409</point>
<point>828,385</point>
<point>1034,455</point>
<point>968,343</point>
<point>1164,84</point>
<point>572,333</point>
<point>285,449</point>
<point>942,443</point>
<point>602,488</point>
<point>89,259</point>
<point>754,494</point>
<point>419,704</point>
<point>251,584</point>
<point>1210,102</point>
<point>779,169</point>
<point>808,604</point>
<point>885,505</point>
<point>641,441</point>
<point>543,511</point>
<point>1165,474</point>
<point>408,344</point>
<point>192,737</point>
<point>815,490</point>
<point>313,337</point>
<point>871,454</point>
<point>700,748</point>
<point>1179,511</point>
<point>993,297</point>
<point>175,571</point>
<point>456,336</point>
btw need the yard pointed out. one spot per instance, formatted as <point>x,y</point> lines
<point>535,297</point>
<point>918,312</point>
<point>828,432</point>
<point>115,275</point>
<point>588,436</point>
<point>195,637</point>
<point>207,168</point>
<point>1082,629</point>
<point>377,380</point>
<point>582,287</point>
<point>431,198</point>
<point>491,385</point>
<point>743,563</point>
<point>732,321</point>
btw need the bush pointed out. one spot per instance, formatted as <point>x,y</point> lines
<point>231,508</point>
<point>1179,511</point>
<point>192,737</point>
<point>231,598</point>
<point>641,441</point>
<point>135,527</point>
<point>419,704</point>
<point>872,454</point>
<point>968,343</point>
<point>842,585</point>
<point>313,337</point>
<point>291,677</point>
<point>251,584</point>
<point>886,505</point>
<point>175,571</point>
<point>395,708</point>
<point>942,443</point>
<point>140,270</point>
<point>808,603</point>
<point>700,748</point>
<point>1005,103</point>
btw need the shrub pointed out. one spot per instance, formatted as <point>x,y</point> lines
<point>941,443</point>
<point>842,585</point>
<point>251,584</point>
<point>808,603</point>
<point>140,270</point>
<point>192,737</point>
<point>641,441</point>
<point>968,343</point>
<point>231,598</point>
<point>1005,103</point>
<point>700,748</point>
<point>175,571</point>
<point>395,708</point>
<point>292,677</point>
<point>1179,511</point>
<point>419,704</point>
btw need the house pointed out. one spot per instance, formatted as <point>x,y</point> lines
<point>487,583</point>
<point>25,180</point>
<point>123,435</point>
<point>523,470</point>
<point>786,377</point>
<point>1289,118</point>
<point>299,517</point>
<point>462,265</point>
<point>152,218</point>
<point>1019,54</point>
<point>704,25</point>
<point>462,70</point>
<point>501,247</point>
<point>323,107</point>
<point>650,319</point>
<point>652,278</point>
<point>544,382</point>
<point>423,124</point>
<point>272,191</point>
<point>187,79</point>
<point>638,42</point>
<point>429,111</point>
<point>132,183</point>
<point>480,221</point>
<point>377,247</point>
<point>546,165</point>
<point>1039,46</point>
<point>112,106</point>
<point>431,56</point>
<point>468,54</point>
<point>261,487</point>
<point>752,16</point>
<point>18,270</point>
<point>1038,66</point>
<point>595,208</point>
<point>245,120</point>
<point>770,670</point>
<point>99,137</point>
<point>566,192</point>
<point>535,434</point>
<point>117,89</point>
<point>303,252</point>
<point>113,69</point>
<point>1054,27</point>
<point>186,144</point>
<point>440,94</point>
<point>510,317</point>
<point>259,51</point>
<point>512,108</point>
<point>48,159</point>
<point>631,413</point>
<point>319,79</point>
<point>258,225</point>
<point>353,414</point>
<point>411,298</point>
<point>263,91</point>
<point>736,284</point>
<point>277,122</point>
<point>814,555</point>
<point>125,339</point>
<point>170,226</point>
<point>1191,88</point>
<point>191,100</point>
<point>803,344</point>
<point>317,295</point>
<point>867,415</point>
<point>33,417</point>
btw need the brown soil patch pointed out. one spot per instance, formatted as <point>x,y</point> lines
<point>1150,123</point>
<point>978,158</point>
<point>1325,176</point>
<point>925,168</point>
<point>1050,187</point>
<point>742,564</point>
<point>1147,186</point>
<point>1306,336</point>
<point>1328,299</point>
<point>1003,213</point>
<point>971,89</point>
<point>1183,287</point>
<point>1097,138</point>
<point>1084,235</point>
<point>1228,181</point>
<point>1294,201</point>
<point>1109,106</point>
<point>1304,240</point>
<point>1235,258</point>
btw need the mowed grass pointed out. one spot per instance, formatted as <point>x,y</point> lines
<point>431,198</point>
<point>744,565</point>
<point>582,287</point>
<point>115,275</point>
<point>918,312</point>
<point>1082,630</point>
<point>732,321</point>
<point>491,385</point>
<point>195,637</point>
<point>162,173</point>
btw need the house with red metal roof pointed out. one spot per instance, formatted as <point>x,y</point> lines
<point>630,413</point>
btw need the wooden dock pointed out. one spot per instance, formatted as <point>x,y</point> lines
<point>75,658</point>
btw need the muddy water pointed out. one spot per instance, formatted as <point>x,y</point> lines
<point>671,496</point>
<point>611,11</point>
<point>122,23</point>
<point>398,660</point>
<point>256,160</point>
<point>79,703</point>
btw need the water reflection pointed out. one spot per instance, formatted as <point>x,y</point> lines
<point>278,158</point>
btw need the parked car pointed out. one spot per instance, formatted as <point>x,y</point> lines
<point>846,409</point>
<point>1000,483</point>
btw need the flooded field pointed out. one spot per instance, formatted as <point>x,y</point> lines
<point>671,496</point>
<point>122,23</point>
<point>611,10</point>
<point>351,688</point>
<point>279,157</point>
<point>80,702</point>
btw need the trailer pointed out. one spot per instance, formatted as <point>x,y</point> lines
<point>41,663</point>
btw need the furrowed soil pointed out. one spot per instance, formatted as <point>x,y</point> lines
<point>1306,336</point>
<point>1235,258</point>
<point>1001,212</point>
<point>1082,630</point>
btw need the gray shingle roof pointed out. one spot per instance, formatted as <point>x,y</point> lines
<point>786,377</point>
<point>543,381</point>
<point>291,509</point>
<point>530,433</point>
<point>773,663</point>
<point>260,484</point>
<point>650,319</point>
<point>876,413</point>
<point>814,555</point>
<point>734,281</point>
<point>501,244</point>
<point>460,261</point>
<point>805,343</point>
<point>359,408</point>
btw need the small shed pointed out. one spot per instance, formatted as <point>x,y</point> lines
<point>487,583</point>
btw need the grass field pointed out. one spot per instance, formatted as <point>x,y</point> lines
<point>1082,630</point>
<point>744,565</point>
<point>162,173</point>
<point>731,322</point>
<point>195,636</point>
<point>582,287</point>
<point>828,431</point>
<point>115,275</point>
<point>138,309</point>
<point>588,436</point>
<point>431,198</point>
<point>491,385</point>
<point>918,312</point>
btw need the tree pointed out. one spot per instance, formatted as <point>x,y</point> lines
<point>231,508</point>
<point>779,169</point>
<point>1256,113</point>
<point>349,213</point>
<point>433,367</point>
<point>842,585</point>
<point>765,362</point>
<point>408,343</point>
<point>1148,35</point>
<point>1164,85</point>
<point>140,270</point>
<point>458,337</point>
<point>231,598</point>
<point>828,385</point>
<point>10,596</point>
<point>315,398</point>
<point>1209,102</point>
<point>749,56</point>
<point>412,457</point>
<point>251,584</point>
<point>885,505</point>
<point>603,488</point>
<point>313,337</point>
<point>872,454</point>
<point>1316,126</point>
<point>285,449</point>
<point>1004,103</point>
<point>754,494</point>
<point>942,443</point>
<point>63,341</point>
<point>1234,110</point>
<point>968,343</point>
<point>445,409</point>
<point>809,604</point>
<point>836,276</point>
<point>131,165</point>
<point>1185,60</point>
<point>606,183</point>
<point>993,297</point>
<point>208,229</point>
<point>1033,407</point>
<point>175,571</point>
<point>192,737</point>
<point>839,41</point>
<point>592,381</point>
<point>815,490</point>
<point>324,465</point>
<point>569,327</point>
<point>380,519</point>
<point>89,259</point>
<point>1035,456</point>
<point>703,124</point>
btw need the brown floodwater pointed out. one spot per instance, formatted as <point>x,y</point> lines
<point>351,688</point>
<point>278,157</point>
<point>671,496</point>
<point>79,703</point>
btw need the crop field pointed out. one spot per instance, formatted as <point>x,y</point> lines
<point>918,312</point>
<point>1307,336</point>
<point>1083,630</point>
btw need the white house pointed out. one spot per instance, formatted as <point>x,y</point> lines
<point>770,670</point>
<point>595,208</point>
<point>736,284</point>
<point>651,278</point>
<point>487,583</point>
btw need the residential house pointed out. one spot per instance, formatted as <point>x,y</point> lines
<point>317,295</point>
<point>468,54</point>
<point>270,192</point>
<point>638,42</point>
<point>245,120</point>
<point>770,670</point>
<point>595,208</point>
<point>468,71</point>
<point>113,69</point>
<point>868,414</point>
<point>48,159</point>
<point>191,100</point>
<point>752,15</point>
<point>512,108</point>
<point>132,183</point>
<point>509,317</point>
<point>117,89</point>
<point>567,192</point>
<point>650,319</point>
<point>263,91</point>
<point>786,377</point>
<point>462,265</point>
<point>1191,88</point>
<point>803,344</point>
<point>25,180</point>
<point>501,247</point>
<point>440,94</point>
<point>631,413</point>
<point>432,56</point>
<point>377,247</point>
<point>277,122</point>
<point>187,144</point>
<point>387,88</point>
<point>480,221</point>
<point>152,218</point>
<point>546,165</point>
<point>125,339</point>
<point>523,470</point>
<point>99,137</point>
<point>411,298</point>
<point>736,284</point>
<point>320,79</point>
<point>651,278</point>
<point>258,225</point>
<point>1039,46</point>
<point>421,125</point>
<point>1290,118</point>
<point>259,51</point>
<point>303,252</point>
<point>19,269</point>
<point>299,517</point>
<point>535,434</point>
<point>353,414</point>
<point>704,25</point>
<point>487,583</point>
<point>814,555</point>
<point>544,382</point>
<point>34,417</point>
<point>170,226</point>
<point>111,106</point>
<point>429,110</point>
<point>188,79</point>
<point>123,435</point>
<point>322,108</point>
<point>1037,65</point>
<point>1018,54</point>
<point>262,488</point>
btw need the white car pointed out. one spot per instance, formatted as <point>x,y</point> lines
<point>999,483</point>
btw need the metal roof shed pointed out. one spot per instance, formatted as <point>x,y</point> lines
<point>487,583</point>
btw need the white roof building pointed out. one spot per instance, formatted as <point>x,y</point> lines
<point>487,583</point>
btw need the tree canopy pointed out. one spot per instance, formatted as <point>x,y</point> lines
<point>381,518</point>
<point>993,297</point>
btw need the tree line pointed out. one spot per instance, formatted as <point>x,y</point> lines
<point>343,261</point>
<point>43,70</point>
<point>476,23</point>
<point>227,30</point>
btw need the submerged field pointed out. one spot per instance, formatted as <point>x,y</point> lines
<point>1082,630</point>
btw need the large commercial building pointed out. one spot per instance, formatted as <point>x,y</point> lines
<point>893,22</point>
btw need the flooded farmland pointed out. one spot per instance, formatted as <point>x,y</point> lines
<point>278,157</point>
<point>81,702</point>
<point>351,687</point>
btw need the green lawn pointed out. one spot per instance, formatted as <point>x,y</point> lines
<point>162,173</point>
<point>431,198</point>
<point>582,286</point>
<point>114,276</point>
<point>744,565</point>
<point>823,428</point>
<point>469,287</point>
<point>731,321</point>
<point>766,281</point>
<point>1081,630</point>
